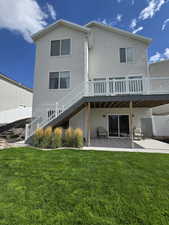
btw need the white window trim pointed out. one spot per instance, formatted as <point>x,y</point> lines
<point>60,47</point>
<point>134,61</point>
<point>59,80</point>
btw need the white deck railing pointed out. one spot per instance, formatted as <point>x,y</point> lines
<point>107,87</point>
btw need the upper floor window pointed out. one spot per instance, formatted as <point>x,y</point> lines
<point>59,80</point>
<point>127,55</point>
<point>60,47</point>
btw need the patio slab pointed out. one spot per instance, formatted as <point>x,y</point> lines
<point>124,145</point>
<point>114,143</point>
<point>153,144</point>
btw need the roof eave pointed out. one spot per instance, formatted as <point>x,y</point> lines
<point>127,33</point>
<point>14,82</point>
<point>51,27</point>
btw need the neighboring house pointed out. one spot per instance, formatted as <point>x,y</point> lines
<point>93,76</point>
<point>160,113</point>
<point>15,100</point>
<point>160,69</point>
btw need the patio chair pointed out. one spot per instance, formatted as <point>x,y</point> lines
<point>138,135</point>
<point>101,132</point>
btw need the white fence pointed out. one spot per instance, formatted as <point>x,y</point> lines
<point>160,126</point>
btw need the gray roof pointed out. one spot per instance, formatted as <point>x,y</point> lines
<point>8,79</point>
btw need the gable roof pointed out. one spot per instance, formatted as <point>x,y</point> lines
<point>86,29</point>
<point>52,27</point>
<point>119,31</point>
<point>6,78</point>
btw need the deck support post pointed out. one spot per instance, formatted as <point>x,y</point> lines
<point>131,123</point>
<point>88,123</point>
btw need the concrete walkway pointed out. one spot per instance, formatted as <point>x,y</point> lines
<point>5,145</point>
<point>127,150</point>
<point>152,144</point>
<point>146,145</point>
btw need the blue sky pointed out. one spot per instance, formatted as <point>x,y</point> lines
<point>21,18</point>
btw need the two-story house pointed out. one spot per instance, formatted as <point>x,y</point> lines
<point>94,76</point>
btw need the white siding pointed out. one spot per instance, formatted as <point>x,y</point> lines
<point>99,117</point>
<point>46,63</point>
<point>160,69</point>
<point>104,59</point>
<point>12,96</point>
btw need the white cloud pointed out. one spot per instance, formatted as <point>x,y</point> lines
<point>51,11</point>
<point>166,53</point>
<point>152,8</point>
<point>24,16</point>
<point>160,56</point>
<point>133,24</point>
<point>119,1</point>
<point>106,22</point>
<point>165,24</point>
<point>119,17</point>
<point>155,58</point>
<point>137,30</point>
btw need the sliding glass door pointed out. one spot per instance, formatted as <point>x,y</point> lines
<point>118,125</point>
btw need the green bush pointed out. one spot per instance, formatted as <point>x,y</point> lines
<point>78,138</point>
<point>47,138</point>
<point>37,137</point>
<point>57,138</point>
<point>69,138</point>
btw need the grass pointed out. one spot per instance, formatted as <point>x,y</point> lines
<point>69,187</point>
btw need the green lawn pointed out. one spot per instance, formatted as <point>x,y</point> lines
<point>69,187</point>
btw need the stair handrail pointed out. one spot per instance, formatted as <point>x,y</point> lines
<point>71,98</point>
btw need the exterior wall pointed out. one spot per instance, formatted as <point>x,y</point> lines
<point>101,60</point>
<point>12,96</point>
<point>45,63</point>
<point>99,117</point>
<point>78,121</point>
<point>159,68</point>
<point>104,59</point>
<point>12,115</point>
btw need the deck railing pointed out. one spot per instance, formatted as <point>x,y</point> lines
<point>108,87</point>
<point>140,85</point>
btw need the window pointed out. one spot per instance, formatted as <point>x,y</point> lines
<point>60,47</point>
<point>122,55</point>
<point>59,80</point>
<point>127,55</point>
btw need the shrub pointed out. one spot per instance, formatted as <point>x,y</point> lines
<point>78,138</point>
<point>47,138</point>
<point>69,138</point>
<point>57,138</point>
<point>38,137</point>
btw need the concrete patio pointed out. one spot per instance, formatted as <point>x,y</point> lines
<point>113,143</point>
<point>124,145</point>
